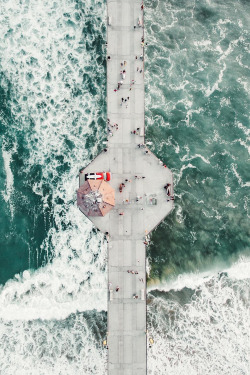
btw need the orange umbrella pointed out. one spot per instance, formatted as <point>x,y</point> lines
<point>95,198</point>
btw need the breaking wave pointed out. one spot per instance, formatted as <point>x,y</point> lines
<point>204,329</point>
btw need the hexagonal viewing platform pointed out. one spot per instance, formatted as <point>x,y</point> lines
<point>141,190</point>
<point>145,200</point>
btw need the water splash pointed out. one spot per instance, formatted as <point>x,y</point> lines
<point>7,159</point>
<point>52,57</point>
<point>209,334</point>
<point>53,347</point>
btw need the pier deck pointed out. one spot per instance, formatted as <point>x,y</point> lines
<point>143,201</point>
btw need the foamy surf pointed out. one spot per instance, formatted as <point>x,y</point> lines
<point>209,334</point>
<point>53,347</point>
<point>53,316</point>
<point>53,319</point>
<point>238,271</point>
<point>59,289</point>
<point>9,188</point>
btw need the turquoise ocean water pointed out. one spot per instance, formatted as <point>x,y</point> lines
<point>52,122</point>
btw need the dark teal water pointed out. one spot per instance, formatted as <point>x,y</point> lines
<point>24,222</point>
<point>52,123</point>
<point>197,114</point>
<point>36,143</point>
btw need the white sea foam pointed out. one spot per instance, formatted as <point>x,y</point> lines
<point>50,348</point>
<point>244,83</point>
<point>178,175</point>
<point>189,115</point>
<point>238,271</point>
<point>45,58</point>
<point>231,205</point>
<point>9,176</point>
<point>246,132</point>
<point>223,56</point>
<point>40,46</point>
<point>228,191</point>
<point>215,86</point>
<point>47,50</point>
<point>239,178</point>
<point>9,185</point>
<point>179,214</point>
<point>68,285</point>
<point>34,306</point>
<point>209,334</point>
<point>203,43</point>
<point>188,158</point>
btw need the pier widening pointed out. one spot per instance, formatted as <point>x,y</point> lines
<point>143,202</point>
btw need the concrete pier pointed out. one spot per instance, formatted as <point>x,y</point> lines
<point>143,201</point>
